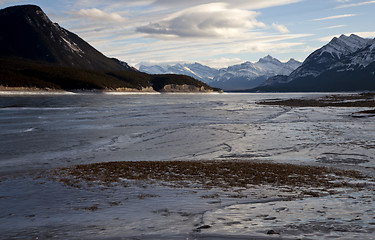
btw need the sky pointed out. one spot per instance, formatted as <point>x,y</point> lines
<point>215,33</point>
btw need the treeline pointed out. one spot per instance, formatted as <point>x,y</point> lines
<point>159,81</point>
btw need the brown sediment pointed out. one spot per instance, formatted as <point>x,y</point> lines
<point>364,114</point>
<point>222,174</point>
<point>353,100</point>
<point>368,111</point>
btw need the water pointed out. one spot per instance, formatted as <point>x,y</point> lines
<point>48,131</point>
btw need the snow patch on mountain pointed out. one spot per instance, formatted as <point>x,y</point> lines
<point>344,45</point>
<point>364,57</point>
<point>72,46</point>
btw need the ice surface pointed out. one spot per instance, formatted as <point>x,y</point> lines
<point>51,131</point>
<point>346,216</point>
<point>42,132</point>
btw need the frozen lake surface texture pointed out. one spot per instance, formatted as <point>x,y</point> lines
<point>40,132</point>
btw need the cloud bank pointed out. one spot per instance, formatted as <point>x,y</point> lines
<point>205,21</point>
<point>219,32</point>
<point>97,15</point>
<point>247,4</point>
<point>361,3</point>
<point>335,17</point>
<point>280,28</point>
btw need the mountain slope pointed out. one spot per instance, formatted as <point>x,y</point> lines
<point>34,52</point>
<point>344,64</point>
<point>27,32</point>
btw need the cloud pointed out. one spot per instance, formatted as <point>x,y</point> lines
<point>281,28</point>
<point>332,27</point>
<point>334,17</point>
<point>348,5</point>
<point>97,15</point>
<point>204,21</point>
<point>196,30</point>
<point>248,4</point>
<point>174,51</point>
<point>365,34</point>
<point>214,63</point>
<point>3,2</point>
<point>221,62</point>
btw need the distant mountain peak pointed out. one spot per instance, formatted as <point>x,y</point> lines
<point>345,44</point>
<point>267,58</point>
<point>292,60</point>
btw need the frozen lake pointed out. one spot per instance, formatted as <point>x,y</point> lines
<point>45,131</point>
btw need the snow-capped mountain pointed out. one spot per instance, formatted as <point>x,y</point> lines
<point>249,75</point>
<point>344,64</point>
<point>242,76</point>
<point>329,55</point>
<point>195,70</point>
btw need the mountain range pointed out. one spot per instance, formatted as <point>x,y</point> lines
<point>37,53</point>
<point>346,63</point>
<point>237,77</point>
